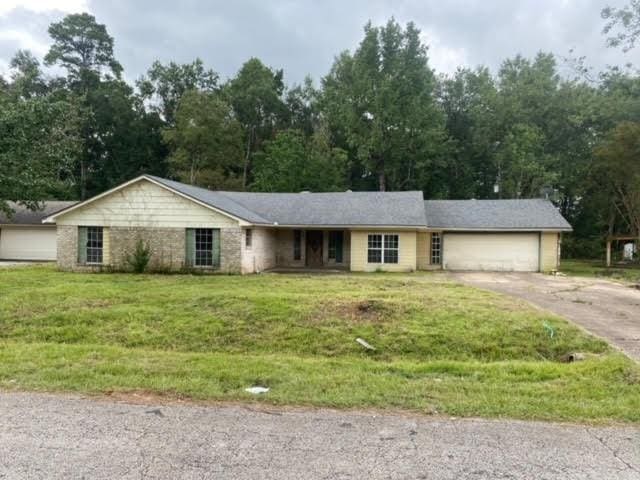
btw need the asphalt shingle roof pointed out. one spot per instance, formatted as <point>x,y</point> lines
<point>534,214</point>
<point>336,208</point>
<point>23,216</point>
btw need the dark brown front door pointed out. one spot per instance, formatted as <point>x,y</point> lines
<point>314,248</point>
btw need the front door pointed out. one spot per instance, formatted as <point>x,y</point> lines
<point>314,248</point>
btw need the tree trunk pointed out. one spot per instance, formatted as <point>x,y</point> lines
<point>83,179</point>
<point>382,178</point>
<point>247,159</point>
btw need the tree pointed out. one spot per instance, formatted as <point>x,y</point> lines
<point>381,99</point>
<point>83,48</point>
<point>256,97</point>
<point>164,85</point>
<point>291,162</point>
<point>206,142</point>
<point>26,78</point>
<point>618,168</point>
<point>627,21</point>
<point>39,141</point>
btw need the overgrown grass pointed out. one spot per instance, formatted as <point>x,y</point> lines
<point>440,347</point>
<point>597,268</point>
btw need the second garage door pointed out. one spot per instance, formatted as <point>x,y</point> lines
<point>28,243</point>
<point>516,252</point>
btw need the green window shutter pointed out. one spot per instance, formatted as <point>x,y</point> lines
<point>339,237</point>
<point>190,247</point>
<point>216,248</point>
<point>82,245</point>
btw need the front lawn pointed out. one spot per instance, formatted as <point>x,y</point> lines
<point>440,347</point>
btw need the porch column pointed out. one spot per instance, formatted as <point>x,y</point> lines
<point>608,253</point>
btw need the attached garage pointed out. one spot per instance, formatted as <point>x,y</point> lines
<point>23,235</point>
<point>495,235</point>
<point>514,252</point>
<point>27,243</point>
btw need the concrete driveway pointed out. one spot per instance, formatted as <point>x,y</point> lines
<point>607,309</point>
<point>63,437</point>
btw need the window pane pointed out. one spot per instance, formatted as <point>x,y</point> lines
<point>94,245</point>
<point>436,248</point>
<point>391,256</point>
<point>248,238</point>
<point>204,247</point>
<point>375,241</point>
<point>391,241</point>
<point>374,256</point>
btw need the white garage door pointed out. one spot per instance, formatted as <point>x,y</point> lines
<point>28,243</point>
<point>517,252</point>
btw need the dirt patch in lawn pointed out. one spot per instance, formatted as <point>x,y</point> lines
<point>357,311</point>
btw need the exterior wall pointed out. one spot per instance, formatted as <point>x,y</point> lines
<point>549,251</point>
<point>406,255</point>
<point>262,253</point>
<point>284,249</point>
<point>153,214</point>
<point>167,246</point>
<point>145,204</point>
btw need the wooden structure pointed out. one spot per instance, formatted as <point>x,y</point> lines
<point>618,238</point>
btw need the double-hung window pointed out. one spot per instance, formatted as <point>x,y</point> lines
<point>383,248</point>
<point>90,245</point>
<point>203,247</point>
<point>436,249</point>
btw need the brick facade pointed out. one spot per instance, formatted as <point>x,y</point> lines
<point>167,247</point>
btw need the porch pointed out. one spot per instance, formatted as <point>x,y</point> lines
<point>313,249</point>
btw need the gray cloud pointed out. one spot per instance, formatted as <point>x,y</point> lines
<point>303,37</point>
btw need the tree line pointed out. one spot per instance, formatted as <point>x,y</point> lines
<point>381,118</point>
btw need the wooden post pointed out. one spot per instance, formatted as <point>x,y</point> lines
<point>608,253</point>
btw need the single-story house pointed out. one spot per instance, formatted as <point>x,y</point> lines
<point>243,232</point>
<point>23,236</point>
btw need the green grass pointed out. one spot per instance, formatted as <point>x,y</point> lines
<point>597,268</point>
<point>440,347</point>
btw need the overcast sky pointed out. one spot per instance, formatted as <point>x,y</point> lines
<point>303,36</point>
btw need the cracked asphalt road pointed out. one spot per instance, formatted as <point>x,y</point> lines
<point>607,309</point>
<point>66,437</point>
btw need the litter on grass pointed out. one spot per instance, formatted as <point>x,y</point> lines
<point>365,344</point>
<point>256,390</point>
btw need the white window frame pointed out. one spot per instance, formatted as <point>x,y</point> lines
<point>383,248</point>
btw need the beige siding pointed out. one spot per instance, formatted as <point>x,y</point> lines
<point>145,204</point>
<point>106,246</point>
<point>262,253</point>
<point>549,243</point>
<point>423,250</point>
<point>407,252</point>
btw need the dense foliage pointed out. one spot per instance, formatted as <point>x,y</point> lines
<point>381,118</point>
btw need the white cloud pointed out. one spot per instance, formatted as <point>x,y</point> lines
<point>40,6</point>
<point>443,58</point>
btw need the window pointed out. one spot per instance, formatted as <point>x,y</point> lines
<point>383,248</point>
<point>203,247</point>
<point>335,246</point>
<point>436,249</point>
<point>297,244</point>
<point>90,245</point>
<point>248,234</point>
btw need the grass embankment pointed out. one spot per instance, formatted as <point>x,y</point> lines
<point>440,347</point>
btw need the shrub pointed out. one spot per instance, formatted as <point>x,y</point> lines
<point>139,260</point>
